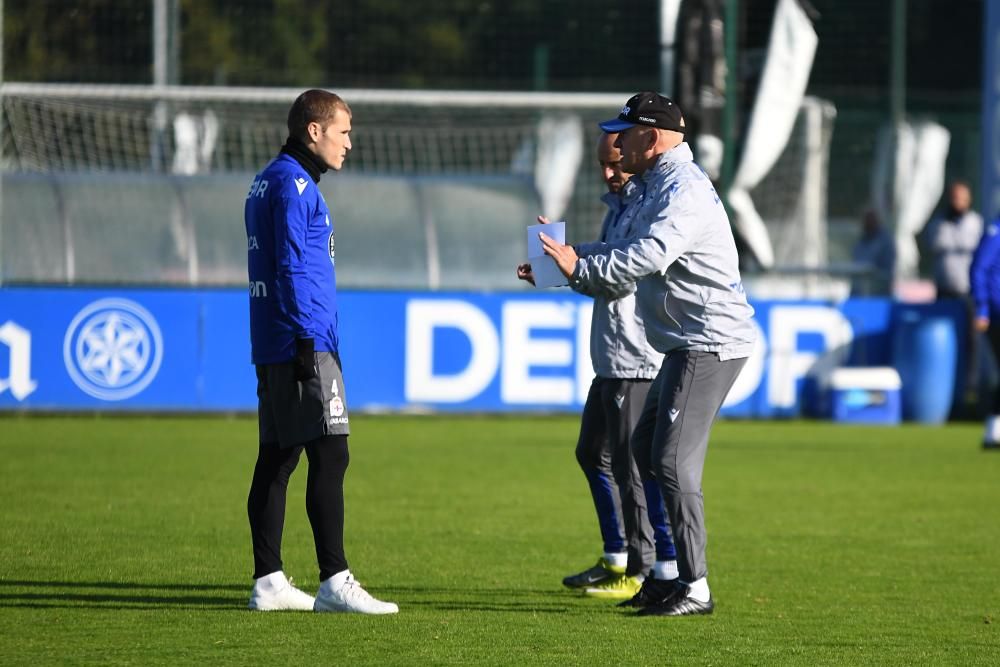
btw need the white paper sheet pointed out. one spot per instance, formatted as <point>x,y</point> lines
<point>543,267</point>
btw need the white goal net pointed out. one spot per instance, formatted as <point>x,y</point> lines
<point>165,169</point>
<point>176,136</point>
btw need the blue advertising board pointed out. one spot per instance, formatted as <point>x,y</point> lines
<point>188,350</point>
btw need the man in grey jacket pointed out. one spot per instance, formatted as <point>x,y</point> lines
<point>625,365</point>
<point>952,238</point>
<point>689,293</point>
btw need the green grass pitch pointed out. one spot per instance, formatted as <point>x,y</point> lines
<point>124,541</point>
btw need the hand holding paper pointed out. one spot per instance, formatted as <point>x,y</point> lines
<point>524,273</point>
<point>563,255</point>
<point>543,267</point>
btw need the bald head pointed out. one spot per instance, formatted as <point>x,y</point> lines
<point>610,159</point>
<point>959,197</point>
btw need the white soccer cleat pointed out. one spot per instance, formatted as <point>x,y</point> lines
<point>342,592</point>
<point>275,592</point>
<point>991,438</point>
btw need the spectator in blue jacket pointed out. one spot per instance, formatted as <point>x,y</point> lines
<point>984,278</point>
<point>874,254</point>
<point>302,404</point>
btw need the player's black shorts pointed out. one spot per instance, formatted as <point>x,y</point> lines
<point>291,412</point>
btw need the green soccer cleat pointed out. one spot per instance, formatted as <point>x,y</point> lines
<point>618,587</point>
<point>594,575</point>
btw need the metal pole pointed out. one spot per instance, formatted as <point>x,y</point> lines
<point>730,27</point>
<point>174,43</point>
<point>897,96</point>
<point>161,25</point>
<point>161,67</point>
<point>669,9</point>
<point>989,184</point>
<point>541,66</point>
<point>897,76</point>
<point>3,134</point>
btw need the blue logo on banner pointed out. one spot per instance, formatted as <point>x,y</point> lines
<point>113,349</point>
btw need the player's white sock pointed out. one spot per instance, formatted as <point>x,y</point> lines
<point>699,590</point>
<point>665,570</point>
<point>272,583</point>
<point>617,560</point>
<point>335,582</point>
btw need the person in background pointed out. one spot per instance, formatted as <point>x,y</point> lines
<point>874,255</point>
<point>952,237</point>
<point>984,277</point>
<point>630,514</point>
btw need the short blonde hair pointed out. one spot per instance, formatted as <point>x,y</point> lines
<point>314,106</point>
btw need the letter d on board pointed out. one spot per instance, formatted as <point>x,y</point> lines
<point>423,316</point>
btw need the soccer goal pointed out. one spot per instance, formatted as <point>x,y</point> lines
<point>80,160</point>
<point>181,135</point>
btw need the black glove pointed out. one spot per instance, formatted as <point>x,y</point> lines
<point>305,359</point>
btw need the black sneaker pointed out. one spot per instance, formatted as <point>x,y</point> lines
<point>653,591</point>
<point>990,445</point>
<point>594,575</point>
<point>680,605</point>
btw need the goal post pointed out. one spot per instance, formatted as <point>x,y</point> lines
<point>518,142</point>
<point>228,133</point>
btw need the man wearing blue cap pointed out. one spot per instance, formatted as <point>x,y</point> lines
<point>683,259</point>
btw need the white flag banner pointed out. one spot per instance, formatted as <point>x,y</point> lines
<point>790,54</point>
<point>557,161</point>
<point>921,152</point>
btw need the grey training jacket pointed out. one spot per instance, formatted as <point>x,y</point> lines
<point>683,259</point>
<point>953,242</point>
<point>618,345</point>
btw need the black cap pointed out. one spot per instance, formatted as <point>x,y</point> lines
<point>650,109</point>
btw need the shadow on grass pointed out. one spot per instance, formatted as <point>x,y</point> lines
<point>498,592</point>
<point>119,585</point>
<point>120,595</point>
<point>472,605</point>
<point>232,597</point>
<point>534,601</point>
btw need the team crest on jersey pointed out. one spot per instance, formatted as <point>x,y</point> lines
<point>331,246</point>
<point>336,406</point>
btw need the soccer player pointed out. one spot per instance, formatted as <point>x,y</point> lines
<point>625,365</point>
<point>683,260</point>
<point>985,281</point>
<point>293,333</point>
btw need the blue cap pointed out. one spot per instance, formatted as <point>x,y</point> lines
<point>615,125</point>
